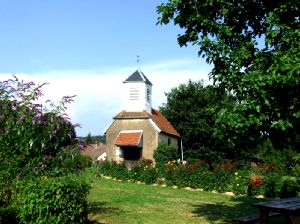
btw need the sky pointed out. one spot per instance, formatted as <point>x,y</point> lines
<point>88,48</point>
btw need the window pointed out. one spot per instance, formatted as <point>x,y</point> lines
<point>148,95</point>
<point>169,141</point>
<point>134,93</point>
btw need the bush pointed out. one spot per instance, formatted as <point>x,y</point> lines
<point>53,200</point>
<point>289,187</point>
<point>262,179</point>
<point>37,143</point>
<point>145,171</point>
<point>239,182</point>
<point>69,159</point>
<point>29,131</point>
<point>256,186</point>
<point>165,153</point>
<point>198,175</point>
<point>113,169</point>
<point>283,158</point>
<point>8,215</point>
<point>273,185</point>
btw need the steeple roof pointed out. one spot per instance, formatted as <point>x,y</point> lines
<point>138,76</point>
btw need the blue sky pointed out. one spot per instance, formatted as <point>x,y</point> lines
<point>88,47</point>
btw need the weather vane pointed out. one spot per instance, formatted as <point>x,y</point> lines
<point>138,62</point>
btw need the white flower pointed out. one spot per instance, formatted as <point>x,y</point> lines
<point>30,143</point>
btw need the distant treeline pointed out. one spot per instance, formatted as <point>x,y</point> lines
<point>92,139</point>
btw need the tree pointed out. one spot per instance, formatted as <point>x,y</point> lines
<point>89,139</point>
<point>165,153</point>
<point>192,109</point>
<point>255,49</point>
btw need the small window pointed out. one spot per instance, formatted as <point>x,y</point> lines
<point>148,95</point>
<point>169,141</point>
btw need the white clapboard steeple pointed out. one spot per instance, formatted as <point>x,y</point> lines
<point>138,93</point>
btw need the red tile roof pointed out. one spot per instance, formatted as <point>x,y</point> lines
<point>129,115</point>
<point>129,138</point>
<point>160,120</point>
<point>163,124</point>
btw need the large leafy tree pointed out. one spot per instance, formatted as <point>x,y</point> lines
<point>255,50</point>
<point>192,109</point>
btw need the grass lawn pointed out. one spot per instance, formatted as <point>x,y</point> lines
<point>116,202</point>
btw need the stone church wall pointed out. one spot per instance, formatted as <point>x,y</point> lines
<point>150,136</point>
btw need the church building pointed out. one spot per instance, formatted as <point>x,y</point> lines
<point>137,130</point>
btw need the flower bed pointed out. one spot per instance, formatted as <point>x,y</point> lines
<point>256,180</point>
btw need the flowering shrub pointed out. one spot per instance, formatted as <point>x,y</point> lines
<point>186,175</point>
<point>239,182</point>
<point>220,177</point>
<point>257,181</point>
<point>30,130</point>
<point>228,166</point>
<point>198,175</point>
<point>145,171</point>
<point>256,186</point>
<point>36,139</point>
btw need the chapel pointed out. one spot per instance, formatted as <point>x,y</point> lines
<point>136,131</point>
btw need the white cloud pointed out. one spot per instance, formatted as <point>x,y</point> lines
<point>99,91</point>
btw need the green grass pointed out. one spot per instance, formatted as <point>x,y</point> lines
<point>116,202</point>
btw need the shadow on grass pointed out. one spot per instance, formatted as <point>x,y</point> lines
<point>221,212</point>
<point>96,208</point>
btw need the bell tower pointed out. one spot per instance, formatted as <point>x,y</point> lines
<point>138,93</point>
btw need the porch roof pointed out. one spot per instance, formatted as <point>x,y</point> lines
<point>130,138</point>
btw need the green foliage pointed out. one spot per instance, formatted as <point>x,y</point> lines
<point>239,182</point>
<point>8,214</point>
<point>37,143</point>
<point>29,130</point>
<point>89,139</point>
<point>53,200</point>
<point>198,175</point>
<point>255,50</point>
<point>277,185</point>
<point>69,159</point>
<point>261,179</point>
<point>94,138</point>
<point>113,169</point>
<point>267,154</point>
<point>296,165</point>
<point>192,109</point>
<point>189,175</point>
<point>165,153</point>
<point>144,171</point>
<point>256,186</point>
<point>273,185</point>
<point>289,186</point>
